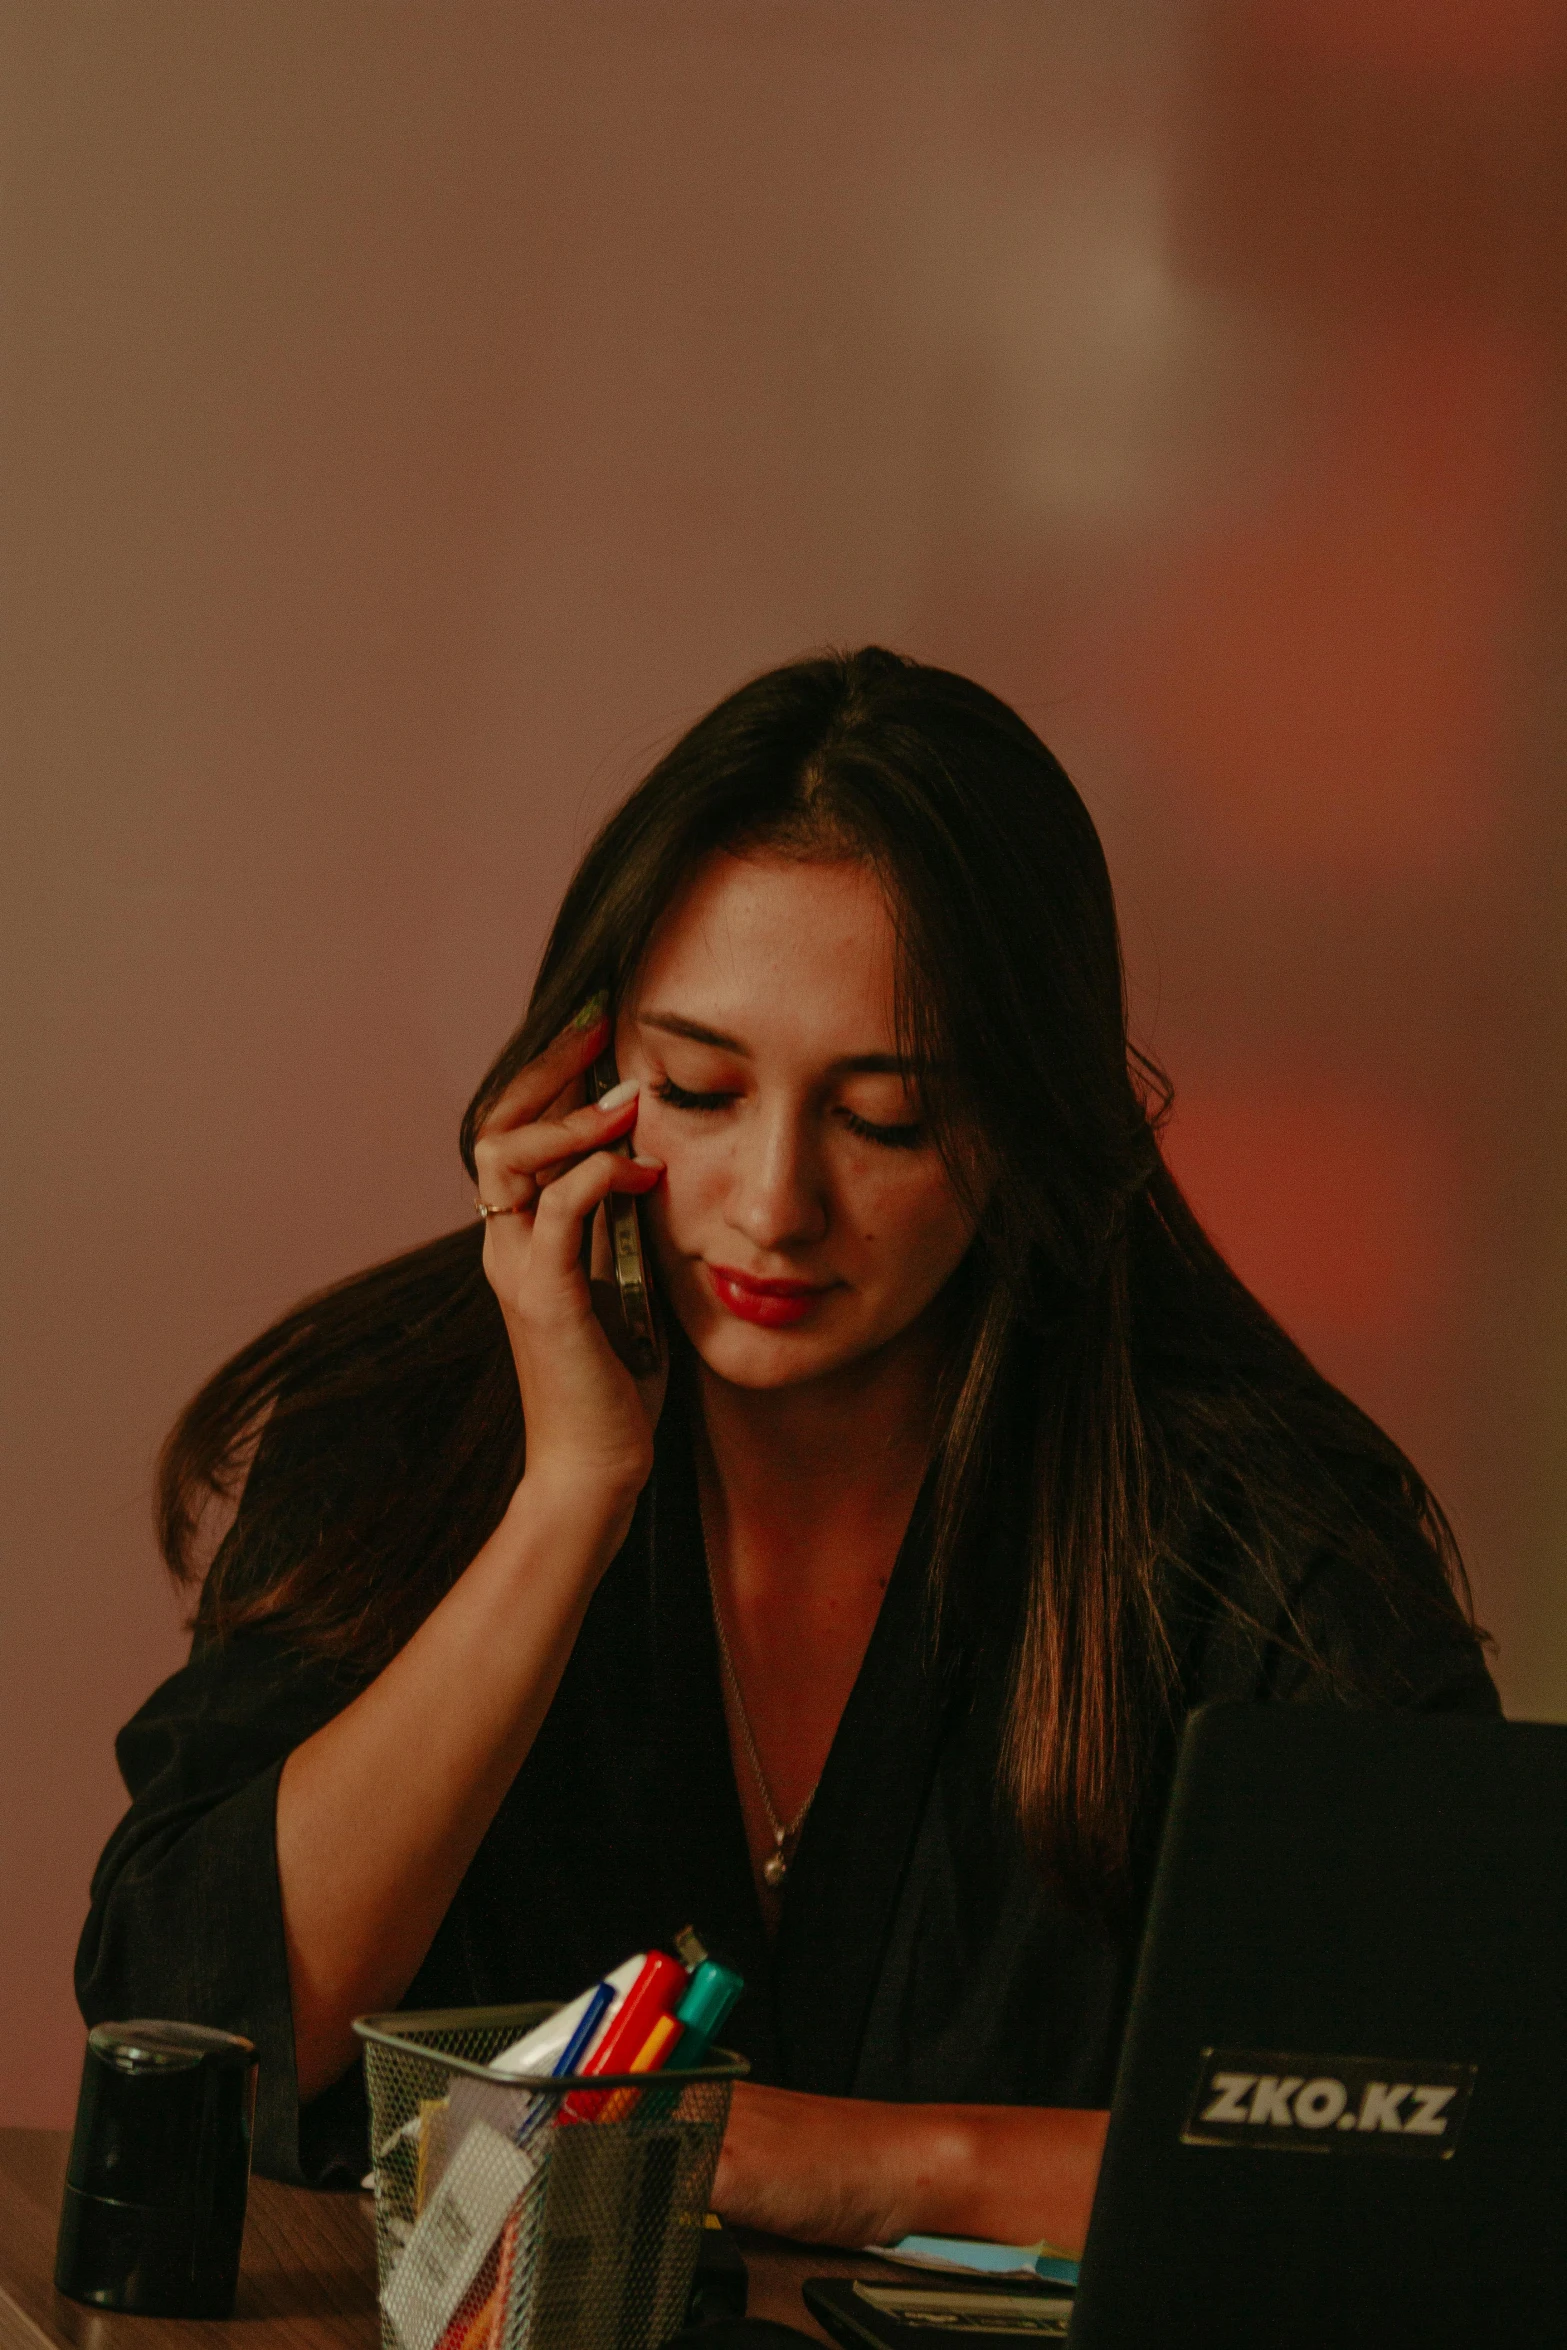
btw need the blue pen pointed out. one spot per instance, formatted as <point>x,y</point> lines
<point>592,2015</point>
<point>601,1997</point>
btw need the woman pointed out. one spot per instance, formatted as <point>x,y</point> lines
<point>866,1645</point>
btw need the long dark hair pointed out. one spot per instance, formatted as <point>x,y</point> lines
<point>1123,1419</point>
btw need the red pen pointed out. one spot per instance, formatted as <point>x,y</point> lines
<point>657,1989</point>
<point>651,2057</point>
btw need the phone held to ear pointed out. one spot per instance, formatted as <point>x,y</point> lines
<point>640,1348</point>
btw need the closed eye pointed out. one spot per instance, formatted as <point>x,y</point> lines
<point>678,1099</point>
<point>892,1138</point>
<point>896,1138</point>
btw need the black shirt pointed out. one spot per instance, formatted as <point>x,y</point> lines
<point>918,1956</point>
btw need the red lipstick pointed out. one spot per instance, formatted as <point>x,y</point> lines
<point>773,1305</point>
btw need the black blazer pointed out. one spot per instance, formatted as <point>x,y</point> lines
<point>919,1956</point>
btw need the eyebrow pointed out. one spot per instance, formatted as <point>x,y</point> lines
<point>852,1065</point>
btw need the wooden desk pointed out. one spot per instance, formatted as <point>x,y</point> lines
<point>307,2281</point>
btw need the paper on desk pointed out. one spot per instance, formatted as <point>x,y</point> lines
<point>454,2233</point>
<point>970,2256</point>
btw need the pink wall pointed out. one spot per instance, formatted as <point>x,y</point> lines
<point>418,414</point>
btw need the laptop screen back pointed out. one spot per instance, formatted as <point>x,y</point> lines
<point>1341,2111</point>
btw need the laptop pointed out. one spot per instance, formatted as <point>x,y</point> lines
<point>1340,2116</point>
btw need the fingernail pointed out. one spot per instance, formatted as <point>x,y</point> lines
<point>592,1010</point>
<point>626,1091</point>
<point>641,1159</point>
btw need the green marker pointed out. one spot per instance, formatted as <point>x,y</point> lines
<point>707,1999</point>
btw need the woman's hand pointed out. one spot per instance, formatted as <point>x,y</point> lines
<point>543,1154</point>
<point>371,1850</point>
<point>852,2171</point>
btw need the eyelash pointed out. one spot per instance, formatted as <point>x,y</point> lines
<point>892,1138</point>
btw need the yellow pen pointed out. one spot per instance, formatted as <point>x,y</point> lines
<point>654,2052</point>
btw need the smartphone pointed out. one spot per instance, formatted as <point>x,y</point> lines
<point>969,2316</point>
<point>641,1347</point>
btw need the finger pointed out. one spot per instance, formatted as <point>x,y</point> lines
<point>497,1184</point>
<point>513,1169</point>
<point>552,1142</point>
<point>536,1086</point>
<point>570,1097</point>
<point>486,1205</point>
<point>572,1198</point>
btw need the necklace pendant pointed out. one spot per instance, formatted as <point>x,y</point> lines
<point>775,1868</point>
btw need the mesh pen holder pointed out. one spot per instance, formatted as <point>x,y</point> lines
<point>520,2213</point>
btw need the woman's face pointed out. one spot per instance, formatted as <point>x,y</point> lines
<point>805,1219</point>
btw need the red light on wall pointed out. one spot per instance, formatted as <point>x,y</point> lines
<point>1326,686</point>
<point>1461,40</point>
<point>1342,1213</point>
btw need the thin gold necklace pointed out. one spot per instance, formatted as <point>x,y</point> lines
<point>783,1832</point>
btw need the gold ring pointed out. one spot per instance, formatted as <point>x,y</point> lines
<point>481,1209</point>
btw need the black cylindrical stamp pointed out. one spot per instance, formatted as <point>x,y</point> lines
<point>155,2187</point>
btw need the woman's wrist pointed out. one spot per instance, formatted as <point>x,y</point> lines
<point>853,2171</point>
<point>1013,2174</point>
<point>578,1521</point>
